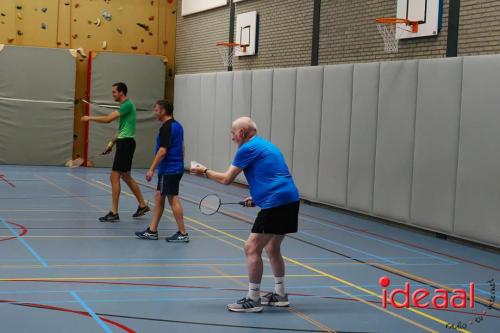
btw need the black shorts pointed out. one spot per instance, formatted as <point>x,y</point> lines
<point>169,184</point>
<point>124,155</point>
<point>278,220</point>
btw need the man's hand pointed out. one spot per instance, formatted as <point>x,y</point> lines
<point>198,169</point>
<point>249,202</point>
<point>85,119</point>
<point>149,175</point>
<point>109,148</point>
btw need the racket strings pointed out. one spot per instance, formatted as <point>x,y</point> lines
<point>210,204</point>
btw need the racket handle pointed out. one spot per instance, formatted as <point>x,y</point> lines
<point>243,203</point>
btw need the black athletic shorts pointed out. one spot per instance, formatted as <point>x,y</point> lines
<point>124,155</point>
<point>278,220</point>
<point>169,184</point>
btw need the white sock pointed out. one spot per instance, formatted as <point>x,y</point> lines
<point>279,285</point>
<point>254,291</point>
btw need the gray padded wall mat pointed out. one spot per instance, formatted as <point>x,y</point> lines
<point>145,78</point>
<point>436,143</point>
<point>35,133</point>
<point>143,74</point>
<point>180,97</point>
<point>222,121</point>
<point>307,130</point>
<point>242,105</point>
<point>49,125</point>
<point>193,104</point>
<point>379,138</point>
<point>363,137</point>
<point>335,131</point>
<point>478,195</point>
<point>395,137</point>
<point>262,101</point>
<point>283,112</point>
<point>206,120</point>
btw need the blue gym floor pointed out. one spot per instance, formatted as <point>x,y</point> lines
<point>62,271</point>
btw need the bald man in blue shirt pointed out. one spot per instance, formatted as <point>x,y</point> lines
<point>272,189</point>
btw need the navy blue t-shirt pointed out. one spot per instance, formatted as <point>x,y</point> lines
<point>171,137</point>
<point>271,184</point>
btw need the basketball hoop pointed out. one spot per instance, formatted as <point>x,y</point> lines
<point>227,51</point>
<point>387,27</point>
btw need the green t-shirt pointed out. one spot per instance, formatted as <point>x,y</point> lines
<point>127,120</point>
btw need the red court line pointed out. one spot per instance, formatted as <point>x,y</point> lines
<point>369,232</point>
<point>24,231</point>
<point>2,177</point>
<point>82,313</point>
<point>230,289</point>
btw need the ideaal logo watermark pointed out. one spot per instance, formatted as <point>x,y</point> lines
<point>479,318</point>
<point>418,298</point>
<point>440,299</point>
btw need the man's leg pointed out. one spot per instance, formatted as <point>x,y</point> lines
<point>127,178</point>
<point>152,231</point>
<point>175,204</point>
<point>157,211</point>
<point>279,296</point>
<point>115,190</point>
<point>253,251</point>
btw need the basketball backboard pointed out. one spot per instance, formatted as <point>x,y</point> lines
<point>426,12</point>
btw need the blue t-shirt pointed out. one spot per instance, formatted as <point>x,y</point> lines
<point>171,137</point>
<point>271,184</point>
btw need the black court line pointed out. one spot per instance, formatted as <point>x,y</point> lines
<point>223,325</point>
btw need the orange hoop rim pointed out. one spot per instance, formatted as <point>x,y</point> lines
<point>227,44</point>
<point>395,20</point>
<point>233,45</point>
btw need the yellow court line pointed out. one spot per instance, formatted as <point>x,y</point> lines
<point>308,267</point>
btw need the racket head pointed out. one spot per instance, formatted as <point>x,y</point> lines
<point>210,204</point>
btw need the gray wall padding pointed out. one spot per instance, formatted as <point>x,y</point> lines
<point>283,111</point>
<point>222,121</point>
<point>385,139</point>
<point>363,137</point>
<point>335,131</point>
<point>193,104</point>
<point>307,130</point>
<point>478,187</point>
<point>436,143</point>
<point>262,100</point>
<point>242,105</point>
<point>143,74</point>
<point>206,119</point>
<point>55,74</point>
<point>145,78</point>
<point>34,133</point>
<point>396,125</point>
<point>181,111</point>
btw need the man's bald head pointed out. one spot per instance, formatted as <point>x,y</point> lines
<point>243,129</point>
<point>246,124</point>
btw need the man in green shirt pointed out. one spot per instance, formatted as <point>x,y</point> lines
<point>125,148</point>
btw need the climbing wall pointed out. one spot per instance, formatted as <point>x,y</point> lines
<point>132,26</point>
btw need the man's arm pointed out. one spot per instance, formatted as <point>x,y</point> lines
<point>225,178</point>
<point>160,155</point>
<point>102,119</point>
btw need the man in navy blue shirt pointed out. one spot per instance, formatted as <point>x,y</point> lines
<point>169,162</point>
<point>272,189</point>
